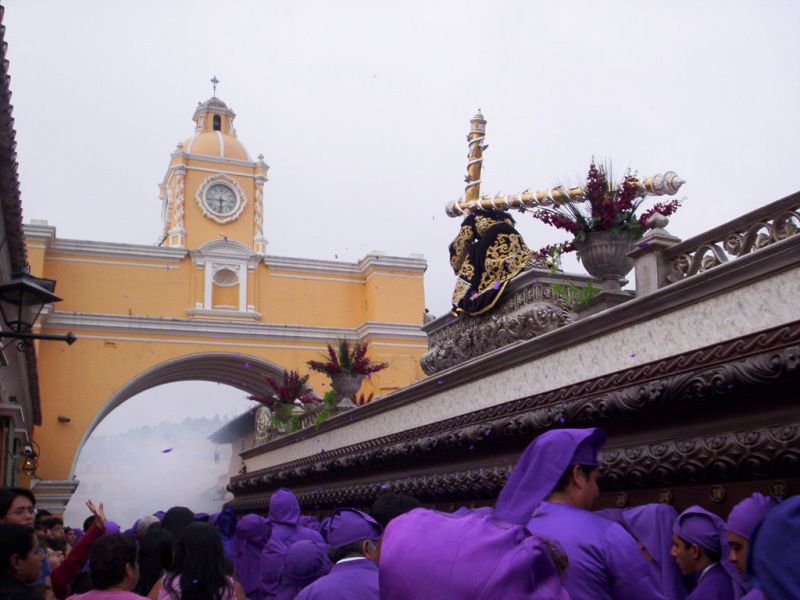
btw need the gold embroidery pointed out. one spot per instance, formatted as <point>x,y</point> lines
<point>505,258</point>
<point>462,287</point>
<point>459,246</point>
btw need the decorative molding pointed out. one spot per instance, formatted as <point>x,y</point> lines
<point>525,314</point>
<point>116,263</point>
<point>84,247</point>
<point>749,233</point>
<point>701,376</point>
<point>230,183</point>
<point>209,328</point>
<point>372,262</point>
<point>217,313</point>
<point>765,453</point>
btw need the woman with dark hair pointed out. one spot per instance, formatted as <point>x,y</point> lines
<point>155,558</point>
<point>113,569</point>
<point>176,519</point>
<point>200,571</point>
<point>20,562</point>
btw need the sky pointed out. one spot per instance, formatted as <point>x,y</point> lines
<point>361,109</point>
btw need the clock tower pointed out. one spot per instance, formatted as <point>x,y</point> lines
<point>213,190</point>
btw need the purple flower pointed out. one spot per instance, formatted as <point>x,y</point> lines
<point>496,285</point>
<point>439,381</point>
<point>633,354</point>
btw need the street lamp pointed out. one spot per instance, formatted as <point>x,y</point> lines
<point>22,298</point>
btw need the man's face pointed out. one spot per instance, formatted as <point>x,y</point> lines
<point>56,531</point>
<point>588,490</point>
<point>21,512</point>
<point>740,546</point>
<point>685,557</point>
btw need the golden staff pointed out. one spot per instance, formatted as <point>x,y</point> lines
<point>662,184</point>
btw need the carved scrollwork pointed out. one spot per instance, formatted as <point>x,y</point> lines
<point>769,452</point>
<point>743,239</point>
<point>529,312</point>
<point>709,375</point>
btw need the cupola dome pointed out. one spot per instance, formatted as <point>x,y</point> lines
<point>214,132</point>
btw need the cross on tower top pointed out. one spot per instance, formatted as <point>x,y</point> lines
<point>214,82</point>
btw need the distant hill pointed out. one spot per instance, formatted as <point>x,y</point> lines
<point>151,468</point>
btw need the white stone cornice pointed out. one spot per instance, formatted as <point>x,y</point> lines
<point>234,328</point>
<point>370,263</point>
<point>85,247</point>
<point>37,232</point>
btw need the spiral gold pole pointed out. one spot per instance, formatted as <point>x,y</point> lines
<point>475,139</point>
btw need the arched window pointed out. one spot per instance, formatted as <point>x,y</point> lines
<point>217,123</point>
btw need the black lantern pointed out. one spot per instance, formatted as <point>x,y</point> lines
<point>22,299</point>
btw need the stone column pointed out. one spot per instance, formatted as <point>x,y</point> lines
<point>648,255</point>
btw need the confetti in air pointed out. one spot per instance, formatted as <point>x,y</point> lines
<point>385,486</point>
<point>166,451</point>
<point>439,382</point>
<point>633,354</point>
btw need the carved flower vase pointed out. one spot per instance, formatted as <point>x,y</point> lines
<point>346,385</point>
<point>604,254</point>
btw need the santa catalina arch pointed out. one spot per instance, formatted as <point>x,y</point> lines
<point>207,303</point>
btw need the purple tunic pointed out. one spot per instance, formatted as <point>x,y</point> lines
<point>355,579</point>
<point>605,562</point>
<point>251,535</point>
<point>754,594</point>
<point>284,513</point>
<point>714,584</point>
<point>651,525</point>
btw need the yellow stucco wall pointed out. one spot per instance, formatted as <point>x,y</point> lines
<point>135,308</point>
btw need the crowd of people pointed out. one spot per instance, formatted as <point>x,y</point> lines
<point>542,541</point>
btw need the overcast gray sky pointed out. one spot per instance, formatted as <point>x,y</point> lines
<point>361,108</point>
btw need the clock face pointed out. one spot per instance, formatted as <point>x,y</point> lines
<point>220,199</point>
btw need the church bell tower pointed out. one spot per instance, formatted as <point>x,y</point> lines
<point>213,190</point>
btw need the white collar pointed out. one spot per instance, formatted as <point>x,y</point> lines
<point>706,570</point>
<point>352,558</point>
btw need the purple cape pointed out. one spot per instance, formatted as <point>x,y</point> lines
<point>349,580</point>
<point>541,466</point>
<point>651,525</point>
<point>427,554</point>
<point>252,532</point>
<point>303,564</point>
<point>605,562</point>
<point>775,552</point>
<point>284,513</point>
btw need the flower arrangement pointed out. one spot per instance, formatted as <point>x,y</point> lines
<point>288,398</point>
<point>608,207</point>
<point>347,358</point>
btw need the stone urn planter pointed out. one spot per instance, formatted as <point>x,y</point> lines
<point>604,254</point>
<point>346,385</point>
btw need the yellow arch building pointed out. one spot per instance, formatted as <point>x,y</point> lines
<point>207,303</point>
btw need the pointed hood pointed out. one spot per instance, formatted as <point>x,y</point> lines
<point>284,507</point>
<point>541,466</point>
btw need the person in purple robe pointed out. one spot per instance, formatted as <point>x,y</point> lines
<point>651,525</point>
<point>284,515</point>
<point>428,554</point>
<point>226,525</point>
<point>742,522</point>
<point>700,548</point>
<point>309,521</point>
<point>303,564</point>
<point>252,533</point>
<point>353,537</point>
<point>553,488</point>
<point>773,563</point>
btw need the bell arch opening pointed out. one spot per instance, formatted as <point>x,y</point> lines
<point>237,370</point>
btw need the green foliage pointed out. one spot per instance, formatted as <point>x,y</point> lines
<point>572,295</point>
<point>329,400</point>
